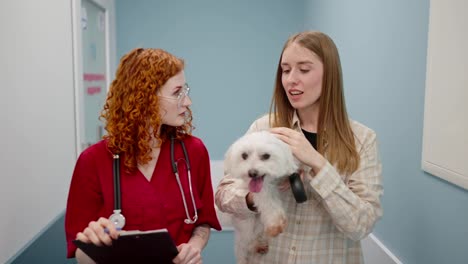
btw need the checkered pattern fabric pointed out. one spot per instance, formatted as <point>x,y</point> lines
<point>339,213</point>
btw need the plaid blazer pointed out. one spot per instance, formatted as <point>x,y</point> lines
<point>341,210</point>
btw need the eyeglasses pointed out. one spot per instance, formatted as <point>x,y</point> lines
<point>180,96</point>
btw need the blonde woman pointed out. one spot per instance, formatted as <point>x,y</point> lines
<point>344,185</point>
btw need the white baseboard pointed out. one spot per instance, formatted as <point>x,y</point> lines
<point>377,253</point>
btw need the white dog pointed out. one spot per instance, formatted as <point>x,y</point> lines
<point>261,161</point>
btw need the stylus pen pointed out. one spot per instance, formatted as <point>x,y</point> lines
<point>106,230</point>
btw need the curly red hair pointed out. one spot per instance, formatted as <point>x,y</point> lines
<point>131,110</point>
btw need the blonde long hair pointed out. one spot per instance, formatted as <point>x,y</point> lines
<point>335,138</point>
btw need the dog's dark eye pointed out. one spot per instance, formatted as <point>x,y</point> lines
<point>265,156</point>
<point>245,156</point>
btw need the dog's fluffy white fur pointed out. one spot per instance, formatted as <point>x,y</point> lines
<point>261,161</point>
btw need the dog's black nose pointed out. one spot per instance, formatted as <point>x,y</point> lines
<point>253,173</point>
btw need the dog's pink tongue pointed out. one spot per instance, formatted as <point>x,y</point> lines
<point>255,185</point>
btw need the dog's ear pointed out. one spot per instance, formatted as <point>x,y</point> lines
<point>297,164</point>
<point>293,163</point>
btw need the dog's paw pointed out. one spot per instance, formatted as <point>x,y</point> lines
<point>261,248</point>
<point>276,228</point>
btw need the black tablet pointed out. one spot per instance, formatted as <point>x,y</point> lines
<point>154,246</point>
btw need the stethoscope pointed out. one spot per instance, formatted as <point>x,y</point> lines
<point>117,217</point>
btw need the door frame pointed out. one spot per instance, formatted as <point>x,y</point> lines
<point>109,14</point>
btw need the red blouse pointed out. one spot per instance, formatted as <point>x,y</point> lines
<point>146,204</point>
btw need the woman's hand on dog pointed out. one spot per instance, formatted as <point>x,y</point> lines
<point>300,147</point>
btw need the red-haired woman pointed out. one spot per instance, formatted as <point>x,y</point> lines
<point>165,179</point>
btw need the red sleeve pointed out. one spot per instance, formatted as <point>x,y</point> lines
<point>207,214</point>
<point>84,198</point>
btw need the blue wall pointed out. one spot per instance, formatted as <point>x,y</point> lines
<point>48,247</point>
<point>383,48</point>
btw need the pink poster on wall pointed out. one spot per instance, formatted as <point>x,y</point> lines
<point>93,83</point>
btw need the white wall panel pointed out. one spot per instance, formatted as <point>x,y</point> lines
<point>37,135</point>
<point>445,141</point>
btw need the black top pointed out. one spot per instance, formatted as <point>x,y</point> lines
<point>311,137</point>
